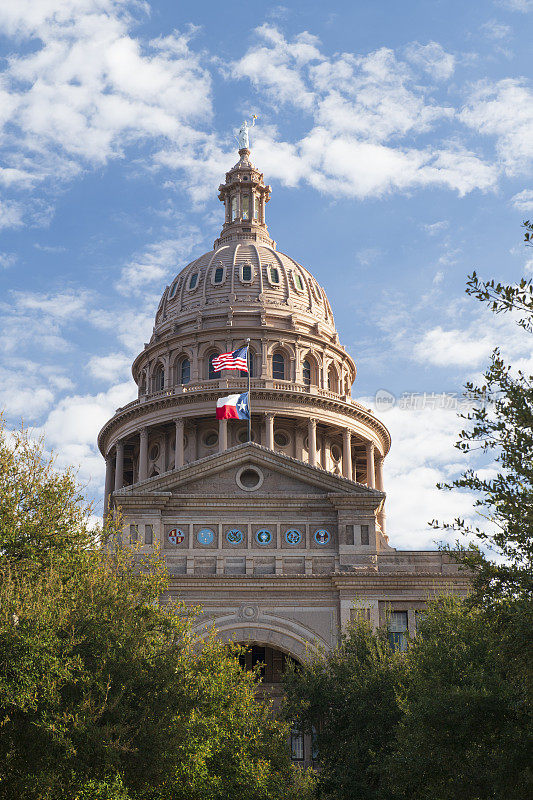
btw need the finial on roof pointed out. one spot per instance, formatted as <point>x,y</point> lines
<point>243,137</point>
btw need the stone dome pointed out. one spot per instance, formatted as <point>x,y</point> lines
<point>245,274</point>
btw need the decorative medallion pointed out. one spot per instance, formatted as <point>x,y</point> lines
<point>176,536</point>
<point>322,536</point>
<point>263,536</point>
<point>234,536</point>
<point>293,536</point>
<point>205,536</point>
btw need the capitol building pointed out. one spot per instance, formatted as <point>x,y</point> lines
<point>281,539</point>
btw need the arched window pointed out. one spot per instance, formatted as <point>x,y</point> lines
<point>246,273</point>
<point>211,374</point>
<point>159,379</point>
<point>251,365</point>
<point>234,208</point>
<point>307,372</point>
<point>256,207</point>
<point>278,367</point>
<point>246,206</point>
<point>185,371</point>
<point>193,281</point>
<point>219,275</point>
<point>333,383</point>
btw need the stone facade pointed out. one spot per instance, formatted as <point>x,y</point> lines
<point>279,539</point>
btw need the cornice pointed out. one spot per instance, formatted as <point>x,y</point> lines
<point>175,402</point>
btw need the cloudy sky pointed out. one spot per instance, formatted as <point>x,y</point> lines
<point>397,137</point>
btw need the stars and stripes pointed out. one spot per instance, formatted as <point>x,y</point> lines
<point>238,359</point>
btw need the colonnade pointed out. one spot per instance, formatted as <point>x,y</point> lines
<point>374,463</point>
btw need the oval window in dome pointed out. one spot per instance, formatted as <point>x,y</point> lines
<point>281,438</point>
<point>218,277</point>
<point>193,281</point>
<point>298,282</point>
<point>211,439</point>
<point>173,290</point>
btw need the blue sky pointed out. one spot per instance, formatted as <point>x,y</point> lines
<point>398,140</point>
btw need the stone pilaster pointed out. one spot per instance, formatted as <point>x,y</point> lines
<point>178,449</point>
<point>119,466</point>
<point>143,454</point>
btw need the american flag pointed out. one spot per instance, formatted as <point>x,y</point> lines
<point>236,360</point>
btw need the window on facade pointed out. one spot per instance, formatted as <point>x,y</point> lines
<point>246,206</point>
<point>281,438</point>
<point>365,536</point>
<point>333,384</point>
<point>185,371</point>
<point>211,439</point>
<point>173,290</point>
<point>212,374</point>
<point>278,367</point>
<point>307,372</point>
<point>398,630</point>
<point>233,208</point>
<point>193,280</point>
<point>148,534</point>
<point>246,272</point>
<point>134,532</point>
<point>297,745</point>
<point>350,538</point>
<point>219,275</point>
<point>298,282</point>
<point>251,359</point>
<point>256,207</point>
<point>159,380</point>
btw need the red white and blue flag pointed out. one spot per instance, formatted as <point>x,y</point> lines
<point>234,406</point>
<point>238,359</point>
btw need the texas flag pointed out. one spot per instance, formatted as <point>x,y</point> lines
<point>234,406</point>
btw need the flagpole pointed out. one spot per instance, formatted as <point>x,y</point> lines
<point>249,405</point>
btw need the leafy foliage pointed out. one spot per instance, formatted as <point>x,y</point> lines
<point>349,696</point>
<point>104,691</point>
<point>466,728</point>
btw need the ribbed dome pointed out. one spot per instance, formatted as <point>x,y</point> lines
<point>245,273</point>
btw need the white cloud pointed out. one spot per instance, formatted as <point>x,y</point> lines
<point>7,260</point>
<point>523,201</point>
<point>496,30</point>
<point>11,214</point>
<point>436,228</point>
<point>365,111</point>
<point>504,109</point>
<point>158,261</point>
<point>432,58</point>
<point>109,368</point>
<point>516,5</point>
<point>81,88</point>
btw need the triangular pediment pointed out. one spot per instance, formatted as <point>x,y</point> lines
<point>280,474</point>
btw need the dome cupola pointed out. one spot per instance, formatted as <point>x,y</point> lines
<point>245,196</point>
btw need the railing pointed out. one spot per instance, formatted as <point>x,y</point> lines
<point>241,383</point>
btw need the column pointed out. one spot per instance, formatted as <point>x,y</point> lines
<point>379,485</point>
<point>119,466</point>
<point>354,471</point>
<point>143,454</point>
<point>370,472</point>
<point>168,382</point>
<point>311,435</point>
<point>164,452</point>
<point>108,483</point>
<point>222,435</point>
<point>269,427</point>
<point>347,453</point>
<point>178,447</point>
<point>379,472</point>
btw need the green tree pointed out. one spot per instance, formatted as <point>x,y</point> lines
<point>349,697</point>
<point>500,423</point>
<point>104,691</point>
<point>466,727</point>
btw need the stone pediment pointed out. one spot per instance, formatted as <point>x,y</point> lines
<point>280,475</point>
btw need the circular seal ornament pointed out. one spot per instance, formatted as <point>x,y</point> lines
<point>176,536</point>
<point>234,536</point>
<point>293,536</point>
<point>263,536</point>
<point>205,536</point>
<point>322,536</point>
